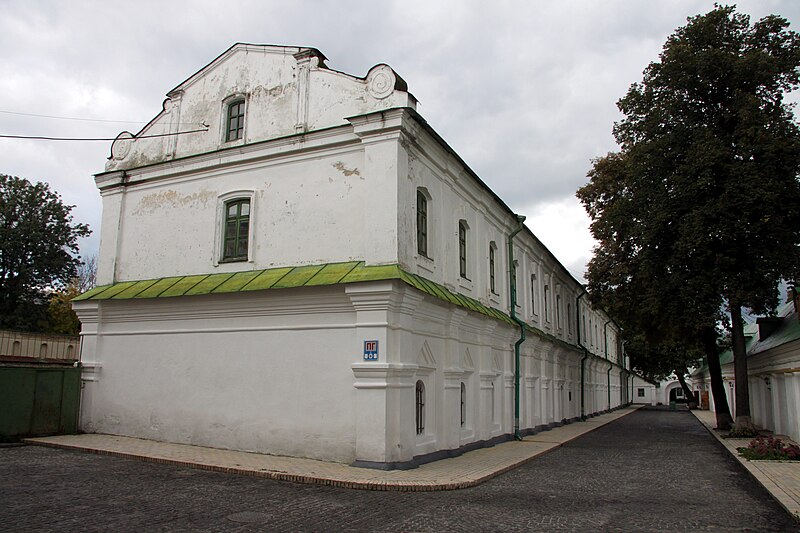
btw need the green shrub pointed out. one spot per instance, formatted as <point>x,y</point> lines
<point>742,433</point>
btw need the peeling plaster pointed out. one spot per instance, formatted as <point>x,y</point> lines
<point>151,203</point>
<point>346,171</point>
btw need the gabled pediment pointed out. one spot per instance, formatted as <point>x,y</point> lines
<point>245,48</point>
<point>284,90</point>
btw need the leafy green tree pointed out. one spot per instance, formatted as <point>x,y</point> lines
<point>698,208</point>
<point>61,317</point>
<point>38,250</point>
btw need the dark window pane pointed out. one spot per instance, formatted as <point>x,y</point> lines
<point>237,226</point>
<point>235,121</point>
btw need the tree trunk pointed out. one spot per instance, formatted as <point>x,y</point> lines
<point>691,402</point>
<point>743,421</point>
<point>721,409</point>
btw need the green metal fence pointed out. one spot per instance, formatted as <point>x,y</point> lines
<point>38,399</point>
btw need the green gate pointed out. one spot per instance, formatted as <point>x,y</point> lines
<point>38,399</point>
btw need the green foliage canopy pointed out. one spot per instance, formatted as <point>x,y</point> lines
<point>699,206</point>
<point>38,249</point>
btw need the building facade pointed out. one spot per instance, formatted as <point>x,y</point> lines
<point>773,367</point>
<point>316,273</point>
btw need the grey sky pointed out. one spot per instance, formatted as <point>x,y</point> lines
<point>524,91</point>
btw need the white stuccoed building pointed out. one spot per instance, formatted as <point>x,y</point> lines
<point>317,273</point>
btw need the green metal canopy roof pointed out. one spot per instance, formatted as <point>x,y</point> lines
<point>291,277</point>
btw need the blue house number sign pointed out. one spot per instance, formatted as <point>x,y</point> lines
<point>370,350</point>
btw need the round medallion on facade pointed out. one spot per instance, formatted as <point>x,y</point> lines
<point>121,146</point>
<point>381,81</point>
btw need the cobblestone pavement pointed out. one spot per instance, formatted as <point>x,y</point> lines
<point>649,471</point>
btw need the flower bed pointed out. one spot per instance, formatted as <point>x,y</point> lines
<point>770,448</point>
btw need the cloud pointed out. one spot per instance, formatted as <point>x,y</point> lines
<point>563,226</point>
<point>525,92</point>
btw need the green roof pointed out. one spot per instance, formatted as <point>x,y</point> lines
<point>788,331</point>
<point>291,277</point>
<point>252,280</point>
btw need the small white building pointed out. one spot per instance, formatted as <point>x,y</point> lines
<point>773,366</point>
<point>644,392</point>
<point>316,273</point>
<point>664,392</point>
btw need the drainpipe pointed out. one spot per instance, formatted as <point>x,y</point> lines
<point>585,351</point>
<point>608,374</point>
<point>512,281</point>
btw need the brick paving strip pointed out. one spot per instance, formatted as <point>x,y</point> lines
<point>464,471</point>
<point>780,478</point>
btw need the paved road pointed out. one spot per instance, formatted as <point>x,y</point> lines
<point>649,471</point>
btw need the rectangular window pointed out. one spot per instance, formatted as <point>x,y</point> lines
<point>569,319</point>
<point>463,405</point>
<point>492,285</point>
<point>640,392</point>
<point>546,302</point>
<point>420,407</point>
<point>558,311</point>
<point>235,121</point>
<point>462,249</point>
<point>422,224</point>
<point>237,230</point>
<point>533,294</point>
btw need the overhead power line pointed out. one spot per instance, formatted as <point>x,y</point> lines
<point>86,119</point>
<point>45,138</point>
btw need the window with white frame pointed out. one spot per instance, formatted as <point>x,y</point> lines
<point>422,223</point>
<point>492,265</point>
<point>236,232</point>
<point>234,120</point>
<point>569,319</point>
<point>546,304</point>
<point>558,311</point>
<point>463,229</point>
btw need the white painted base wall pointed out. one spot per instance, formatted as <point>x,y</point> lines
<point>282,371</point>
<point>774,389</point>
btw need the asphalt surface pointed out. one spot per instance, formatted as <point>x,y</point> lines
<point>649,471</point>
